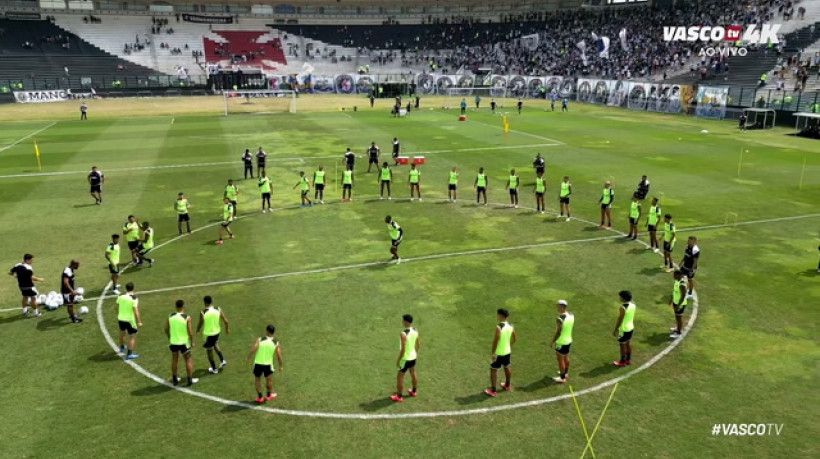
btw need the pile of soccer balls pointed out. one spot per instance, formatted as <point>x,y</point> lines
<point>54,300</point>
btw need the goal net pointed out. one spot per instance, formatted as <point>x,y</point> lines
<point>259,102</point>
<point>483,91</point>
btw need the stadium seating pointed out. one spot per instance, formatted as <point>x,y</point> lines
<point>42,55</point>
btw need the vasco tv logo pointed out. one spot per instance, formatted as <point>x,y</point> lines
<point>767,33</point>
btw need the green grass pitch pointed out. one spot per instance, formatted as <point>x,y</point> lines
<point>319,274</point>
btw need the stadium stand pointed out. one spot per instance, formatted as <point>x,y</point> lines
<point>40,55</point>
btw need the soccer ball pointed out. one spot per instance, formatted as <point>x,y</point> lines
<point>78,298</point>
<point>704,131</point>
<point>40,299</point>
<point>84,310</point>
<point>79,291</point>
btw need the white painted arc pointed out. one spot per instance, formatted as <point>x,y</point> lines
<point>365,416</point>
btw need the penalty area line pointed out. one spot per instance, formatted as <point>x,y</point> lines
<point>15,143</point>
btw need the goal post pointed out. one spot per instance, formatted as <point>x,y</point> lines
<point>262,101</point>
<point>455,94</point>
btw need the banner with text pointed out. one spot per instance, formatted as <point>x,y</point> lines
<point>201,19</point>
<point>711,102</point>
<point>57,95</point>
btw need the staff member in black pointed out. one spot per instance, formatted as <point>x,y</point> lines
<point>396,151</point>
<point>373,155</point>
<point>643,188</point>
<point>25,280</point>
<point>247,158</point>
<point>539,164</point>
<point>350,159</point>
<point>260,161</point>
<point>95,181</point>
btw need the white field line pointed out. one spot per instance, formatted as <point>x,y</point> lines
<point>26,137</point>
<point>301,160</point>
<point>556,142</point>
<point>435,256</point>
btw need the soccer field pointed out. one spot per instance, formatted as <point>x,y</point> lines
<point>321,275</point>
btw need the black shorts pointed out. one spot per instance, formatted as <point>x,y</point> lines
<point>688,272</point>
<point>679,310</point>
<point>113,269</point>
<point>501,361</point>
<point>452,187</point>
<point>605,206</point>
<point>408,364</point>
<point>133,245</point>
<point>539,195</point>
<point>563,200</point>
<point>652,228</point>
<point>266,196</point>
<point>305,192</point>
<point>396,242</point>
<point>127,327</point>
<point>513,192</point>
<point>262,370</point>
<point>481,189</point>
<point>320,186</point>
<point>29,292</point>
<point>414,184</point>
<point>563,350</point>
<point>210,341</point>
<point>667,246</point>
<point>373,161</point>
<point>347,186</point>
<point>387,182</point>
<point>143,251</point>
<point>183,218</point>
<point>633,221</point>
<point>179,348</point>
<point>260,165</point>
<point>68,298</point>
<point>226,224</point>
<point>233,203</point>
<point>539,170</point>
<point>395,154</point>
<point>96,189</point>
<point>625,337</point>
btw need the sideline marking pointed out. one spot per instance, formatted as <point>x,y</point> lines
<point>364,416</point>
<point>557,142</point>
<point>26,137</point>
<point>301,160</point>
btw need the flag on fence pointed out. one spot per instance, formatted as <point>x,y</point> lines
<point>37,155</point>
<point>622,37</point>
<point>531,41</point>
<point>603,47</point>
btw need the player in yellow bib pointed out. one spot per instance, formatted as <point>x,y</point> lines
<point>678,302</point>
<point>481,184</point>
<point>564,193</point>
<point>264,185</point>
<point>562,340</point>
<point>409,345</point>
<point>624,327</point>
<point>414,179</point>
<point>347,184</point>
<point>304,188</point>
<point>209,325</point>
<point>181,338</point>
<point>227,217</point>
<point>232,194</point>
<point>635,212</point>
<point>262,353</point>
<point>131,231</point>
<point>512,185</point>
<point>539,190</point>
<point>607,197</point>
<point>128,318</point>
<point>652,220</point>
<point>112,255</point>
<point>385,179</point>
<point>146,245</point>
<point>501,353</point>
<point>319,185</point>
<point>669,238</point>
<point>181,206</point>
<point>452,185</point>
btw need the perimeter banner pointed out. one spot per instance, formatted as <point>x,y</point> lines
<point>711,102</point>
<point>201,19</point>
<point>56,95</point>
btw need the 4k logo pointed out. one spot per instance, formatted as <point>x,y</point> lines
<point>766,33</point>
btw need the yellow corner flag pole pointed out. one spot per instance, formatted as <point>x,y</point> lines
<point>37,155</point>
<point>506,125</point>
